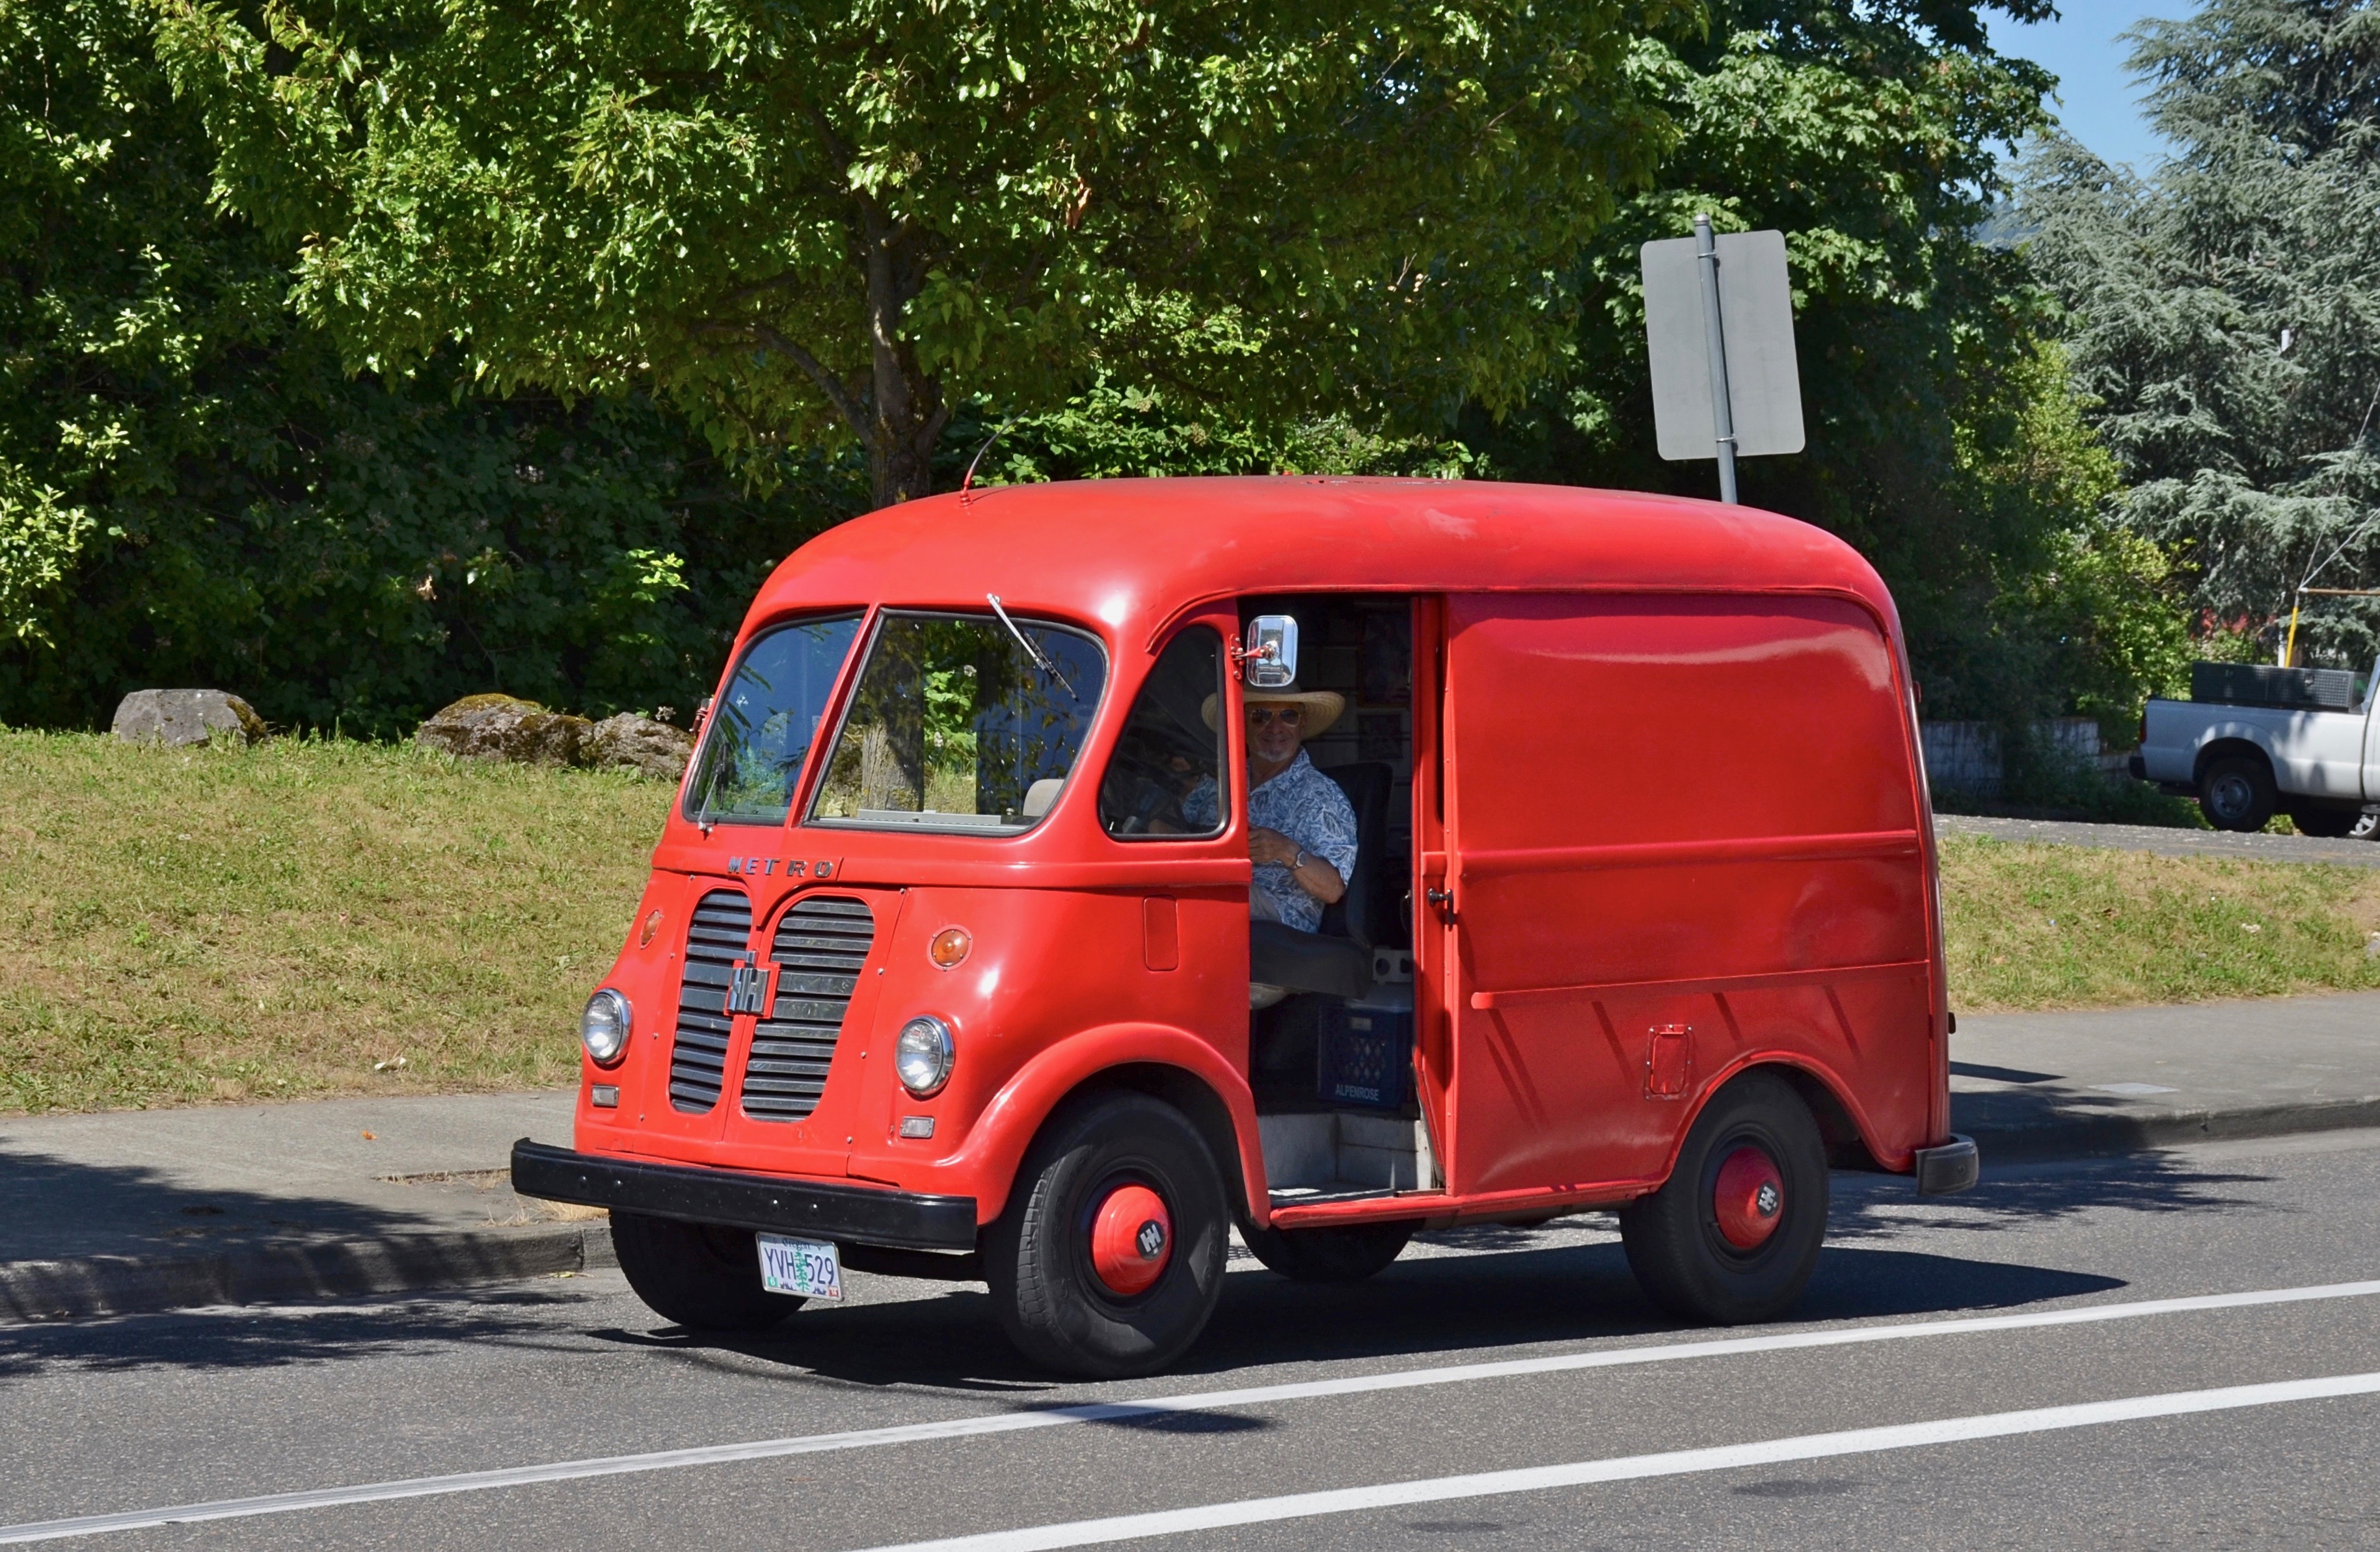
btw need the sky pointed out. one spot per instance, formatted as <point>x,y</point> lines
<point>2097,99</point>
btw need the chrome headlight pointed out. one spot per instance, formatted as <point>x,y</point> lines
<point>603,1027</point>
<point>924,1056</point>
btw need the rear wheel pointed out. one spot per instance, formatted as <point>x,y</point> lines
<point>1348,1255</point>
<point>2238,793</point>
<point>702,1276</point>
<point>1109,1256</point>
<point>1733,1234</point>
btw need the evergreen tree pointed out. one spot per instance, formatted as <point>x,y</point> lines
<point>2226,308</point>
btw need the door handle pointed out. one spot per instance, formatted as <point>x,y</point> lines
<point>1444,901</point>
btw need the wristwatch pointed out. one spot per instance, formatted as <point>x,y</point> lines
<point>1300,862</point>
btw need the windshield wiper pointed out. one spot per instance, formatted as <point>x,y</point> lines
<point>1044,664</point>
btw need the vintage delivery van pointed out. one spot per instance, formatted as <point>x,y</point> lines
<point>948,965</point>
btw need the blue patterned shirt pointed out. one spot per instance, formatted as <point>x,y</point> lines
<point>1308,808</point>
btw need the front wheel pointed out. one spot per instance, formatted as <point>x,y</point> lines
<point>1733,1234</point>
<point>702,1276</point>
<point>2238,793</point>
<point>1109,1258</point>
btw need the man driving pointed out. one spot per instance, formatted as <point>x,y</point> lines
<point>1302,829</point>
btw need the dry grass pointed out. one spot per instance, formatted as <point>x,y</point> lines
<point>281,921</point>
<point>2060,926</point>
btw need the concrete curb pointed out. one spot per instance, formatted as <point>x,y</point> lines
<point>81,1287</point>
<point>2091,1136</point>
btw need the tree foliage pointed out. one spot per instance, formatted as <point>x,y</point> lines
<point>191,490</point>
<point>801,217</point>
<point>2226,308</point>
<point>1940,441</point>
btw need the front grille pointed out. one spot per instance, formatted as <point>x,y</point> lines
<point>720,934</point>
<point>821,946</point>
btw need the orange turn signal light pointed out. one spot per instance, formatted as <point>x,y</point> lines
<point>950,947</point>
<point>652,924</point>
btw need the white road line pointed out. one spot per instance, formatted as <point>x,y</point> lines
<point>1108,1411</point>
<point>1626,1468</point>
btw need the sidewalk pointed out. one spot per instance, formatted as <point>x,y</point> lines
<point>170,1210</point>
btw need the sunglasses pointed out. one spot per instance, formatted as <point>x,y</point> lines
<point>1287,716</point>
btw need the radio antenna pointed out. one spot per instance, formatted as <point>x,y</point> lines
<point>968,480</point>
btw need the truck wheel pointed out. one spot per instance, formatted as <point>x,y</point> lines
<point>702,1276</point>
<point>1109,1256</point>
<point>2329,823</point>
<point>2366,826</point>
<point>1733,1234</point>
<point>2238,793</point>
<point>1348,1255</point>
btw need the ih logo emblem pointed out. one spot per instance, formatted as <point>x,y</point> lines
<point>1150,1240</point>
<point>1766,1201</point>
<point>748,986</point>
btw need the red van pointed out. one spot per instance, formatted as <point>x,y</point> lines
<point>964,958</point>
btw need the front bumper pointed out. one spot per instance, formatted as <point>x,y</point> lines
<point>853,1214</point>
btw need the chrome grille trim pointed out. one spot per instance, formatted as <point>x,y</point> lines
<point>820,947</point>
<point>720,933</point>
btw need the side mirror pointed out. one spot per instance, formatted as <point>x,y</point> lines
<point>1271,651</point>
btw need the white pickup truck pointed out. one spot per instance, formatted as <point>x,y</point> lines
<point>2300,742</point>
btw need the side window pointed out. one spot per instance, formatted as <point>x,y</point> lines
<point>1166,776</point>
<point>762,728</point>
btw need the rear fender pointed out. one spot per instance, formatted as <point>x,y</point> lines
<point>1805,1074</point>
<point>996,1143</point>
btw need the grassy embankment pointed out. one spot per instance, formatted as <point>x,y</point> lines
<point>292,919</point>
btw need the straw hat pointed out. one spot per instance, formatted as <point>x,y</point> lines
<point>1322,707</point>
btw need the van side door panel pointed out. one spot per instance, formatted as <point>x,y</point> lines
<point>1681,833</point>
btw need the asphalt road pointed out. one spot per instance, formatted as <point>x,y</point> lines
<point>2341,852</point>
<point>2004,1369</point>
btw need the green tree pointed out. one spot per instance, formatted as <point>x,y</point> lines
<point>2226,308</point>
<point>193,492</point>
<point>800,218</point>
<point>1874,136</point>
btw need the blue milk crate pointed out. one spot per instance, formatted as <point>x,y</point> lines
<point>1363,1057</point>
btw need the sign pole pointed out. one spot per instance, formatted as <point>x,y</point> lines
<point>1722,412</point>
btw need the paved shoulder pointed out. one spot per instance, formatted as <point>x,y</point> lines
<point>2164,842</point>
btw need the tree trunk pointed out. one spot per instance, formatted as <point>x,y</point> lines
<point>908,413</point>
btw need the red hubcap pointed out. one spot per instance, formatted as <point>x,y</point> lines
<point>1750,1198</point>
<point>1132,1239</point>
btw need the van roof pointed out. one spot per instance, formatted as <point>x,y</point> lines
<point>1135,553</point>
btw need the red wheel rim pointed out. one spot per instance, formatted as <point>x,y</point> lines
<point>1750,1198</point>
<point>1132,1239</point>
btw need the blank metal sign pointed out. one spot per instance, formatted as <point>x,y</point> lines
<point>1757,307</point>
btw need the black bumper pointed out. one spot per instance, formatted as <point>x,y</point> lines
<point>1952,1167</point>
<point>854,1214</point>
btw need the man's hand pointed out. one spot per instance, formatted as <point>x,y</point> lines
<point>1271,846</point>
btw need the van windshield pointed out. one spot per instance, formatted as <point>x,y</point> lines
<point>953,726</point>
<point>765,721</point>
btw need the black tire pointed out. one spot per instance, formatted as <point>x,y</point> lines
<point>1348,1255</point>
<point>1674,1242</point>
<point>2331,824</point>
<point>703,1276</point>
<point>2237,794</point>
<point>1038,1255</point>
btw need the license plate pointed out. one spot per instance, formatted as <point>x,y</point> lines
<point>808,1269</point>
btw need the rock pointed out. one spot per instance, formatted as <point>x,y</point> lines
<point>179,718</point>
<point>502,727</point>
<point>629,742</point>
